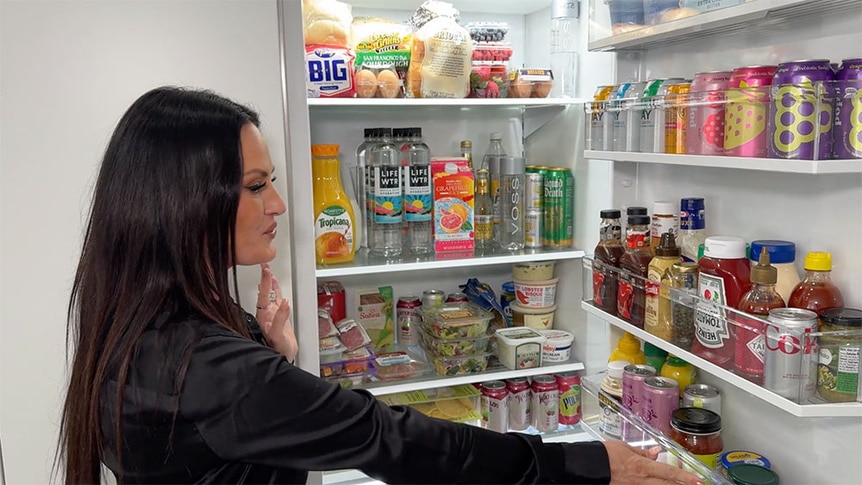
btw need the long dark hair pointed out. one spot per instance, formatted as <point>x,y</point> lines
<point>161,229</point>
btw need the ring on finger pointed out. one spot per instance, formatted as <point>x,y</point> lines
<point>272,296</point>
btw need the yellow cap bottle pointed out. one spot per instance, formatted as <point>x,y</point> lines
<point>334,231</point>
<point>628,349</point>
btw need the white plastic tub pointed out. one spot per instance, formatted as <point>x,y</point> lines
<point>519,347</point>
<point>536,318</point>
<point>557,347</point>
<point>536,294</point>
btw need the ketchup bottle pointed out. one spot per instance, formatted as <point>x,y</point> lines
<point>816,291</point>
<point>634,263</point>
<point>724,273</point>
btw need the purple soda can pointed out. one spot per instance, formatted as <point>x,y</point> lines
<point>634,376</point>
<point>747,105</point>
<point>801,110</point>
<point>847,132</point>
<point>661,399</point>
<point>705,132</point>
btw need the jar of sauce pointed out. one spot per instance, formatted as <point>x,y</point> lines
<point>724,273</point>
<point>698,430</point>
<point>839,367</point>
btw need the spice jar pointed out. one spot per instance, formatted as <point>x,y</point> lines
<point>698,430</point>
<point>684,280</point>
<point>838,369</point>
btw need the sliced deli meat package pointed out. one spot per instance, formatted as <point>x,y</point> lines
<point>353,336</point>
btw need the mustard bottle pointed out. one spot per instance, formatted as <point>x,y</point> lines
<point>334,230</point>
<point>679,370</point>
<point>628,349</point>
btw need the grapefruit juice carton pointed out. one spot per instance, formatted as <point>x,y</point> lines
<point>453,204</point>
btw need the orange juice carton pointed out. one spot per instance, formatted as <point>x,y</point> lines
<point>453,204</point>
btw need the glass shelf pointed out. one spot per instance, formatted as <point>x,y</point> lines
<point>440,102</point>
<point>737,163</point>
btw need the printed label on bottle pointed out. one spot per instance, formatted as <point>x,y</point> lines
<point>417,193</point>
<point>663,224</point>
<point>847,378</point>
<point>692,221</point>
<point>333,233</point>
<point>637,239</point>
<point>652,289</point>
<point>625,296</point>
<point>386,181</point>
<point>711,328</point>
<point>757,346</point>
<point>609,231</point>
<point>599,287</point>
<point>484,230</point>
<point>709,460</point>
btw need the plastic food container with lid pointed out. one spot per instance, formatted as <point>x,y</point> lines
<point>355,362</point>
<point>535,271</point>
<point>536,294</point>
<point>455,347</point>
<point>519,347</point>
<point>398,365</point>
<point>557,347</point>
<point>537,318</point>
<point>459,365</point>
<point>456,320</point>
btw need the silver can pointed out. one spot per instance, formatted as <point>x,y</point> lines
<point>657,110</point>
<point>627,122</point>
<point>790,363</point>
<point>702,396</point>
<point>534,189</point>
<point>533,228</point>
<point>651,111</point>
<point>433,298</point>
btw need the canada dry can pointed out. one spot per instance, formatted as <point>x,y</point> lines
<point>546,403</point>
<point>520,397</point>
<point>676,117</point>
<point>598,113</point>
<point>409,319</point>
<point>847,138</point>
<point>534,188</point>
<point>628,139</point>
<point>558,230</point>
<point>617,120</point>
<point>702,396</point>
<point>652,114</point>
<point>706,118</point>
<point>790,363</point>
<point>495,406</point>
<point>533,222</point>
<point>660,399</point>
<point>747,106</point>
<point>801,113</point>
<point>569,384</point>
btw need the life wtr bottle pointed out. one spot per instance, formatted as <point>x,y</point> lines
<point>385,197</point>
<point>417,192</point>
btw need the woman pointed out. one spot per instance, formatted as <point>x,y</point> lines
<point>173,382</point>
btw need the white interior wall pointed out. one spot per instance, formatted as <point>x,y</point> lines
<point>69,70</point>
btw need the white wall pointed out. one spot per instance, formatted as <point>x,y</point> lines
<point>69,70</point>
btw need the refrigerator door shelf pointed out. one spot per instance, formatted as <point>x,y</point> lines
<point>775,165</point>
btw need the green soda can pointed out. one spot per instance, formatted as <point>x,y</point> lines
<point>558,230</point>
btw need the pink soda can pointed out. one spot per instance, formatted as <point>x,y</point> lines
<point>705,132</point>
<point>746,111</point>
<point>847,132</point>
<point>801,110</point>
<point>661,399</point>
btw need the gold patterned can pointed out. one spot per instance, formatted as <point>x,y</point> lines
<point>558,227</point>
<point>533,228</point>
<point>534,188</point>
<point>676,117</point>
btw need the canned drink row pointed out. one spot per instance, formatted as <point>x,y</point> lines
<point>796,110</point>
<point>544,404</point>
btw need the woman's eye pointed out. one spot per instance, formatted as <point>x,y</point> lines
<point>257,187</point>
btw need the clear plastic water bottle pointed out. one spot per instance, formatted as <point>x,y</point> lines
<point>564,52</point>
<point>358,176</point>
<point>491,163</point>
<point>512,203</point>
<point>417,192</point>
<point>385,197</point>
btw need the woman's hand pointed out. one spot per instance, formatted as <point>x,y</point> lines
<point>273,315</point>
<point>638,467</point>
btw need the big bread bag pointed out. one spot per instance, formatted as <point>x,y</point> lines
<point>440,60</point>
<point>326,22</point>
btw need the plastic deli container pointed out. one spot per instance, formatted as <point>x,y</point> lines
<point>520,347</point>
<point>557,347</point>
<point>456,320</point>
<point>355,362</point>
<point>330,349</point>
<point>455,347</point>
<point>460,365</point>
<point>536,294</point>
<point>537,318</point>
<point>539,271</point>
<point>398,365</point>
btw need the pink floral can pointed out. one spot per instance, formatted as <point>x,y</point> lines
<point>546,403</point>
<point>747,111</point>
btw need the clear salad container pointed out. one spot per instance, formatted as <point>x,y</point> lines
<point>456,321</point>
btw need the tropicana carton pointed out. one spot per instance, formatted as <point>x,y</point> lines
<point>453,204</point>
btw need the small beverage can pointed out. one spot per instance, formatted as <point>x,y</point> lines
<point>847,136</point>
<point>534,181</point>
<point>408,319</point>
<point>705,132</point>
<point>790,364</point>
<point>569,384</point>
<point>520,397</point>
<point>702,396</point>
<point>676,117</point>
<point>533,228</point>
<point>615,113</point>
<point>545,403</point>
<point>629,122</point>
<point>433,298</point>
<point>661,398</point>
<point>597,111</point>
<point>634,376</point>
<point>558,228</point>
<point>495,406</point>
<point>652,114</point>
<point>457,298</point>
<point>745,116</point>
<point>800,113</point>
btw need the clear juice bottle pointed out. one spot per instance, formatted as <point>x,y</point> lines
<point>334,230</point>
<point>816,291</point>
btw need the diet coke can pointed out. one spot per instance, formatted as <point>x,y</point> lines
<point>408,319</point>
<point>705,132</point>
<point>519,403</point>
<point>495,406</point>
<point>746,113</point>
<point>546,402</point>
<point>847,134</point>
<point>569,384</point>
<point>790,365</point>
<point>660,399</point>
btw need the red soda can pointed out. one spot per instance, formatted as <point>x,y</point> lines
<point>495,406</point>
<point>661,398</point>
<point>456,297</point>
<point>520,396</point>
<point>546,403</point>
<point>747,111</point>
<point>408,319</point>
<point>569,384</point>
<point>705,132</point>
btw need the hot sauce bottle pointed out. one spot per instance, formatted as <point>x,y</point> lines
<point>607,261</point>
<point>634,263</point>
<point>816,291</point>
<point>723,280</point>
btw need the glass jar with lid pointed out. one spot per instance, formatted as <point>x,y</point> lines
<point>840,346</point>
<point>698,430</point>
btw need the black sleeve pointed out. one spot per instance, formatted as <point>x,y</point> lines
<point>251,406</point>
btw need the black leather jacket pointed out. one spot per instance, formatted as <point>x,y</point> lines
<point>205,405</point>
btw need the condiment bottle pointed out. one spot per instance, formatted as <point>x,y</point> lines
<point>749,333</point>
<point>606,261</point>
<point>684,276</point>
<point>816,291</point>
<point>628,349</point>
<point>698,430</point>
<point>665,219</point>
<point>692,227</point>
<point>679,370</point>
<point>634,264</point>
<point>483,233</point>
<point>782,256</point>
<point>657,315</point>
<point>723,279</point>
<point>655,356</point>
<point>467,152</point>
<point>334,236</point>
